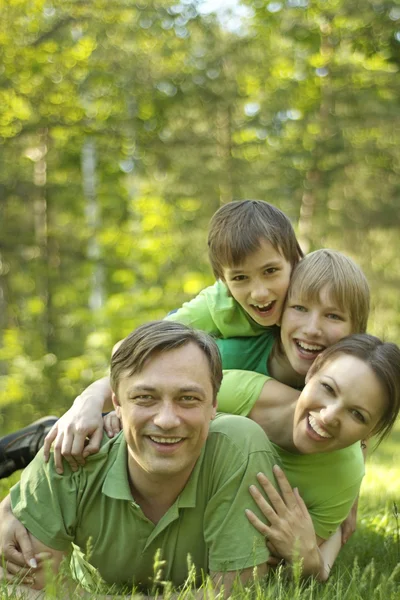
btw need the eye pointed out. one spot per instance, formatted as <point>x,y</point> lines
<point>335,317</point>
<point>188,399</point>
<point>271,270</point>
<point>143,398</point>
<point>239,278</point>
<point>327,387</point>
<point>359,416</point>
<point>299,308</point>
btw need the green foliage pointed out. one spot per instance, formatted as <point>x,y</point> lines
<point>125,125</point>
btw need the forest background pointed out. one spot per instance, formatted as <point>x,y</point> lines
<point>125,125</point>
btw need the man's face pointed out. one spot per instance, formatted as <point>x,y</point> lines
<point>341,404</point>
<point>166,411</point>
<point>259,284</point>
<point>309,327</point>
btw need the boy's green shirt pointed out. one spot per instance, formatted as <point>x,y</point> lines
<point>216,312</point>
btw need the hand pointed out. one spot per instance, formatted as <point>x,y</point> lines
<point>83,420</point>
<point>112,424</point>
<point>349,525</point>
<point>16,551</point>
<point>290,534</point>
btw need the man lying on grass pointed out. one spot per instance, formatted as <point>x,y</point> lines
<point>175,481</point>
<point>182,489</point>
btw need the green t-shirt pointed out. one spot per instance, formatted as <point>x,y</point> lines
<point>328,482</point>
<point>248,353</point>
<point>217,313</point>
<point>94,508</point>
<point>239,390</point>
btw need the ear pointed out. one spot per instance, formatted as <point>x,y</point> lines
<point>214,410</point>
<point>117,405</point>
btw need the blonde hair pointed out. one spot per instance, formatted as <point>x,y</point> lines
<point>238,228</point>
<point>345,280</point>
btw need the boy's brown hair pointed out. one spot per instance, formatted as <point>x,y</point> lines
<point>237,229</point>
<point>345,280</point>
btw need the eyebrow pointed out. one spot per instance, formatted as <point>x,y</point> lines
<point>150,388</point>
<point>272,263</point>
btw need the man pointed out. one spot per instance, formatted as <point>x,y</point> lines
<point>173,485</point>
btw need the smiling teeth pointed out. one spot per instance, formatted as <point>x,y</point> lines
<point>315,427</point>
<point>310,347</point>
<point>261,306</point>
<point>162,440</point>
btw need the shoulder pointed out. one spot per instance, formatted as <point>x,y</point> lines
<point>238,433</point>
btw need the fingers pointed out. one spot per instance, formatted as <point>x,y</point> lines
<point>94,443</point>
<point>301,504</point>
<point>48,440</point>
<point>112,424</point>
<point>273,496</point>
<point>58,453</point>
<point>6,576</point>
<point>25,555</point>
<point>257,523</point>
<point>285,487</point>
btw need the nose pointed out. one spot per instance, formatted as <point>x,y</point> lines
<point>259,291</point>
<point>166,417</point>
<point>329,415</point>
<point>312,326</point>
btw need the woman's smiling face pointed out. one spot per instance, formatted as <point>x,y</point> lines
<point>342,403</point>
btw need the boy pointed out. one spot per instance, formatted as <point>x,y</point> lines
<point>252,251</point>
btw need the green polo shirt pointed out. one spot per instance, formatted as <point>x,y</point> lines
<point>215,311</point>
<point>329,482</point>
<point>94,509</point>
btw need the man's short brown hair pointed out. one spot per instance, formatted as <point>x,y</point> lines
<point>238,228</point>
<point>162,336</point>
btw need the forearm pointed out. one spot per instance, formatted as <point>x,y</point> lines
<point>319,562</point>
<point>98,394</point>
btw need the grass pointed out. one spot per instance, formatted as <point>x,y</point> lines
<point>368,567</point>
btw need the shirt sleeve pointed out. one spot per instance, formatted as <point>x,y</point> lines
<point>216,312</point>
<point>196,314</point>
<point>234,544</point>
<point>239,391</point>
<point>328,516</point>
<point>46,503</point>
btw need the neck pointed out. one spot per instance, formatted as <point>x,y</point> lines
<point>280,368</point>
<point>153,493</point>
<point>280,427</point>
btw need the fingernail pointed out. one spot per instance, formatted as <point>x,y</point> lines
<point>33,563</point>
<point>59,471</point>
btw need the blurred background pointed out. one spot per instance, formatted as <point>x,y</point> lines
<point>123,127</point>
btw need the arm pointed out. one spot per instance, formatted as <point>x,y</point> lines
<point>349,525</point>
<point>256,396</point>
<point>290,534</point>
<point>83,420</point>
<point>37,577</point>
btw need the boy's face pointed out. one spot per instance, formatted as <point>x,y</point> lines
<point>307,328</point>
<point>259,284</point>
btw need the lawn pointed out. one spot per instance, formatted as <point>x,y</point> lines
<point>369,565</point>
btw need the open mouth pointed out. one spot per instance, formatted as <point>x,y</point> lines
<point>165,441</point>
<point>307,349</point>
<point>264,309</point>
<point>316,428</point>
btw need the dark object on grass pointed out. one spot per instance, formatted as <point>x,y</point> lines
<point>19,448</point>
